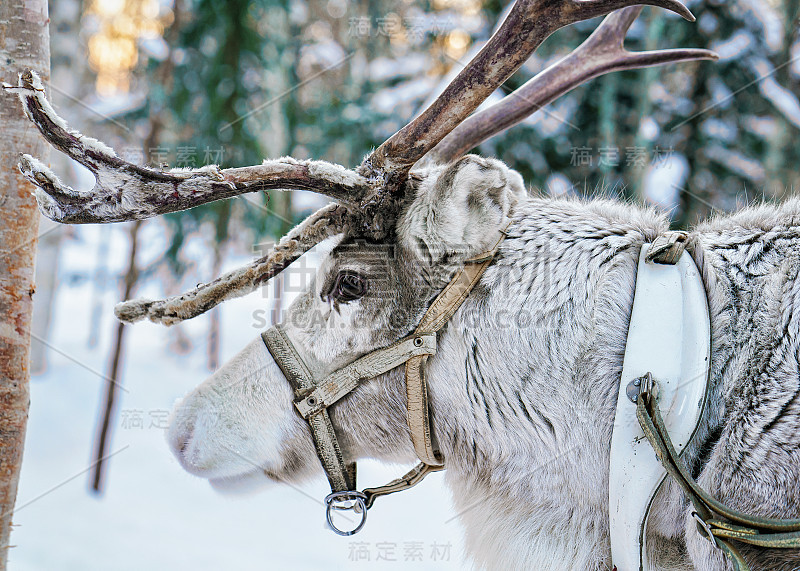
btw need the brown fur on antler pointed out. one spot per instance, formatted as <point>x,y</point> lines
<point>368,198</point>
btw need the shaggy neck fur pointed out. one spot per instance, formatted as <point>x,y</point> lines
<point>525,381</point>
<point>538,380</point>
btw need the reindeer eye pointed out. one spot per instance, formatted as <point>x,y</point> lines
<point>349,286</point>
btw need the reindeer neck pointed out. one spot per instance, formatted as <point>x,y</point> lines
<point>524,385</point>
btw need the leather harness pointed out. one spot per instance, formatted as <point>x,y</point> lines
<point>662,371</point>
<point>716,521</point>
<point>313,396</point>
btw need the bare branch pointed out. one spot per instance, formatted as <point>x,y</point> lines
<point>124,191</point>
<point>528,24</point>
<point>601,53</point>
<point>326,222</point>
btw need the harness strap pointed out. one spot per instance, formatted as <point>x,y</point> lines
<point>418,413</point>
<point>341,382</point>
<point>753,530</point>
<point>667,248</point>
<point>340,475</point>
<point>438,314</point>
<point>312,399</point>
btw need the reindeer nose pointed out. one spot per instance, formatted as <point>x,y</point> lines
<point>182,441</point>
<point>179,436</point>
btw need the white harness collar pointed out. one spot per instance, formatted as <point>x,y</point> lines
<point>669,336</point>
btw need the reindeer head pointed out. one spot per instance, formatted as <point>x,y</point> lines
<point>401,232</point>
<point>240,424</point>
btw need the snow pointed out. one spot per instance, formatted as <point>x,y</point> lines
<point>720,130</point>
<point>388,69</point>
<point>108,107</point>
<point>733,47</point>
<point>153,514</point>
<point>92,144</point>
<point>783,99</point>
<point>327,54</point>
<point>558,185</point>
<point>737,163</point>
<point>664,179</point>
<point>155,47</point>
<point>721,94</point>
<point>767,19</point>
<point>38,87</point>
<point>554,119</point>
<point>388,100</point>
<point>649,129</point>
<point>795,59</point>
<point>764,126</point>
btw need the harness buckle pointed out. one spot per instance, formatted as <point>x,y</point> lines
<point>667,248</point>
<point>343,501</point>
<point>644,385</point>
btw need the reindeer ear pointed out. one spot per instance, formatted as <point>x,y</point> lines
<point>461,206</point>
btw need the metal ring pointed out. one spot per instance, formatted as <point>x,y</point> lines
<point>359,507</point>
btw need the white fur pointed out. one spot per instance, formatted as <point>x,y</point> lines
<point>231,423</point>
<point>524,384</point>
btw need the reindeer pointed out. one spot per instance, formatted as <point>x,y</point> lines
<point>518,410</point>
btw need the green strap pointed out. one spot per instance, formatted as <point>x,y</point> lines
<point>746,529</point>
<point>789,540</point>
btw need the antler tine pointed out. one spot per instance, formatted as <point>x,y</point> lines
<point>601,53</point>
<point>124,191</point>
<point>527,25</point>
<point>324,223</point>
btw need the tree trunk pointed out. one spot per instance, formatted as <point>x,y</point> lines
<point>23,44</point>
<point>113,377</point>
<point>99,283</point>
<point>214,325</point>
<point>69,74</point>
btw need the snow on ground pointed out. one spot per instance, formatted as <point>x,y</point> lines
<point>156,516</point>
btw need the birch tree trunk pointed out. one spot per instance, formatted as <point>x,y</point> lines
<point>23,44</point>
<point>70,73</point>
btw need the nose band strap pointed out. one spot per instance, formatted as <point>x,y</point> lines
<point>342,382</point>
<point>313,398</point>
<point>340,475</point>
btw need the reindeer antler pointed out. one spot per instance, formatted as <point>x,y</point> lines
<point>527,25</point>
<point>601,53</point>
<point>324,223</point>
<point>124,191</point>
<point>369,197</point>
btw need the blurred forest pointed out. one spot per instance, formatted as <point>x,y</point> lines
<point>194,82</point>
